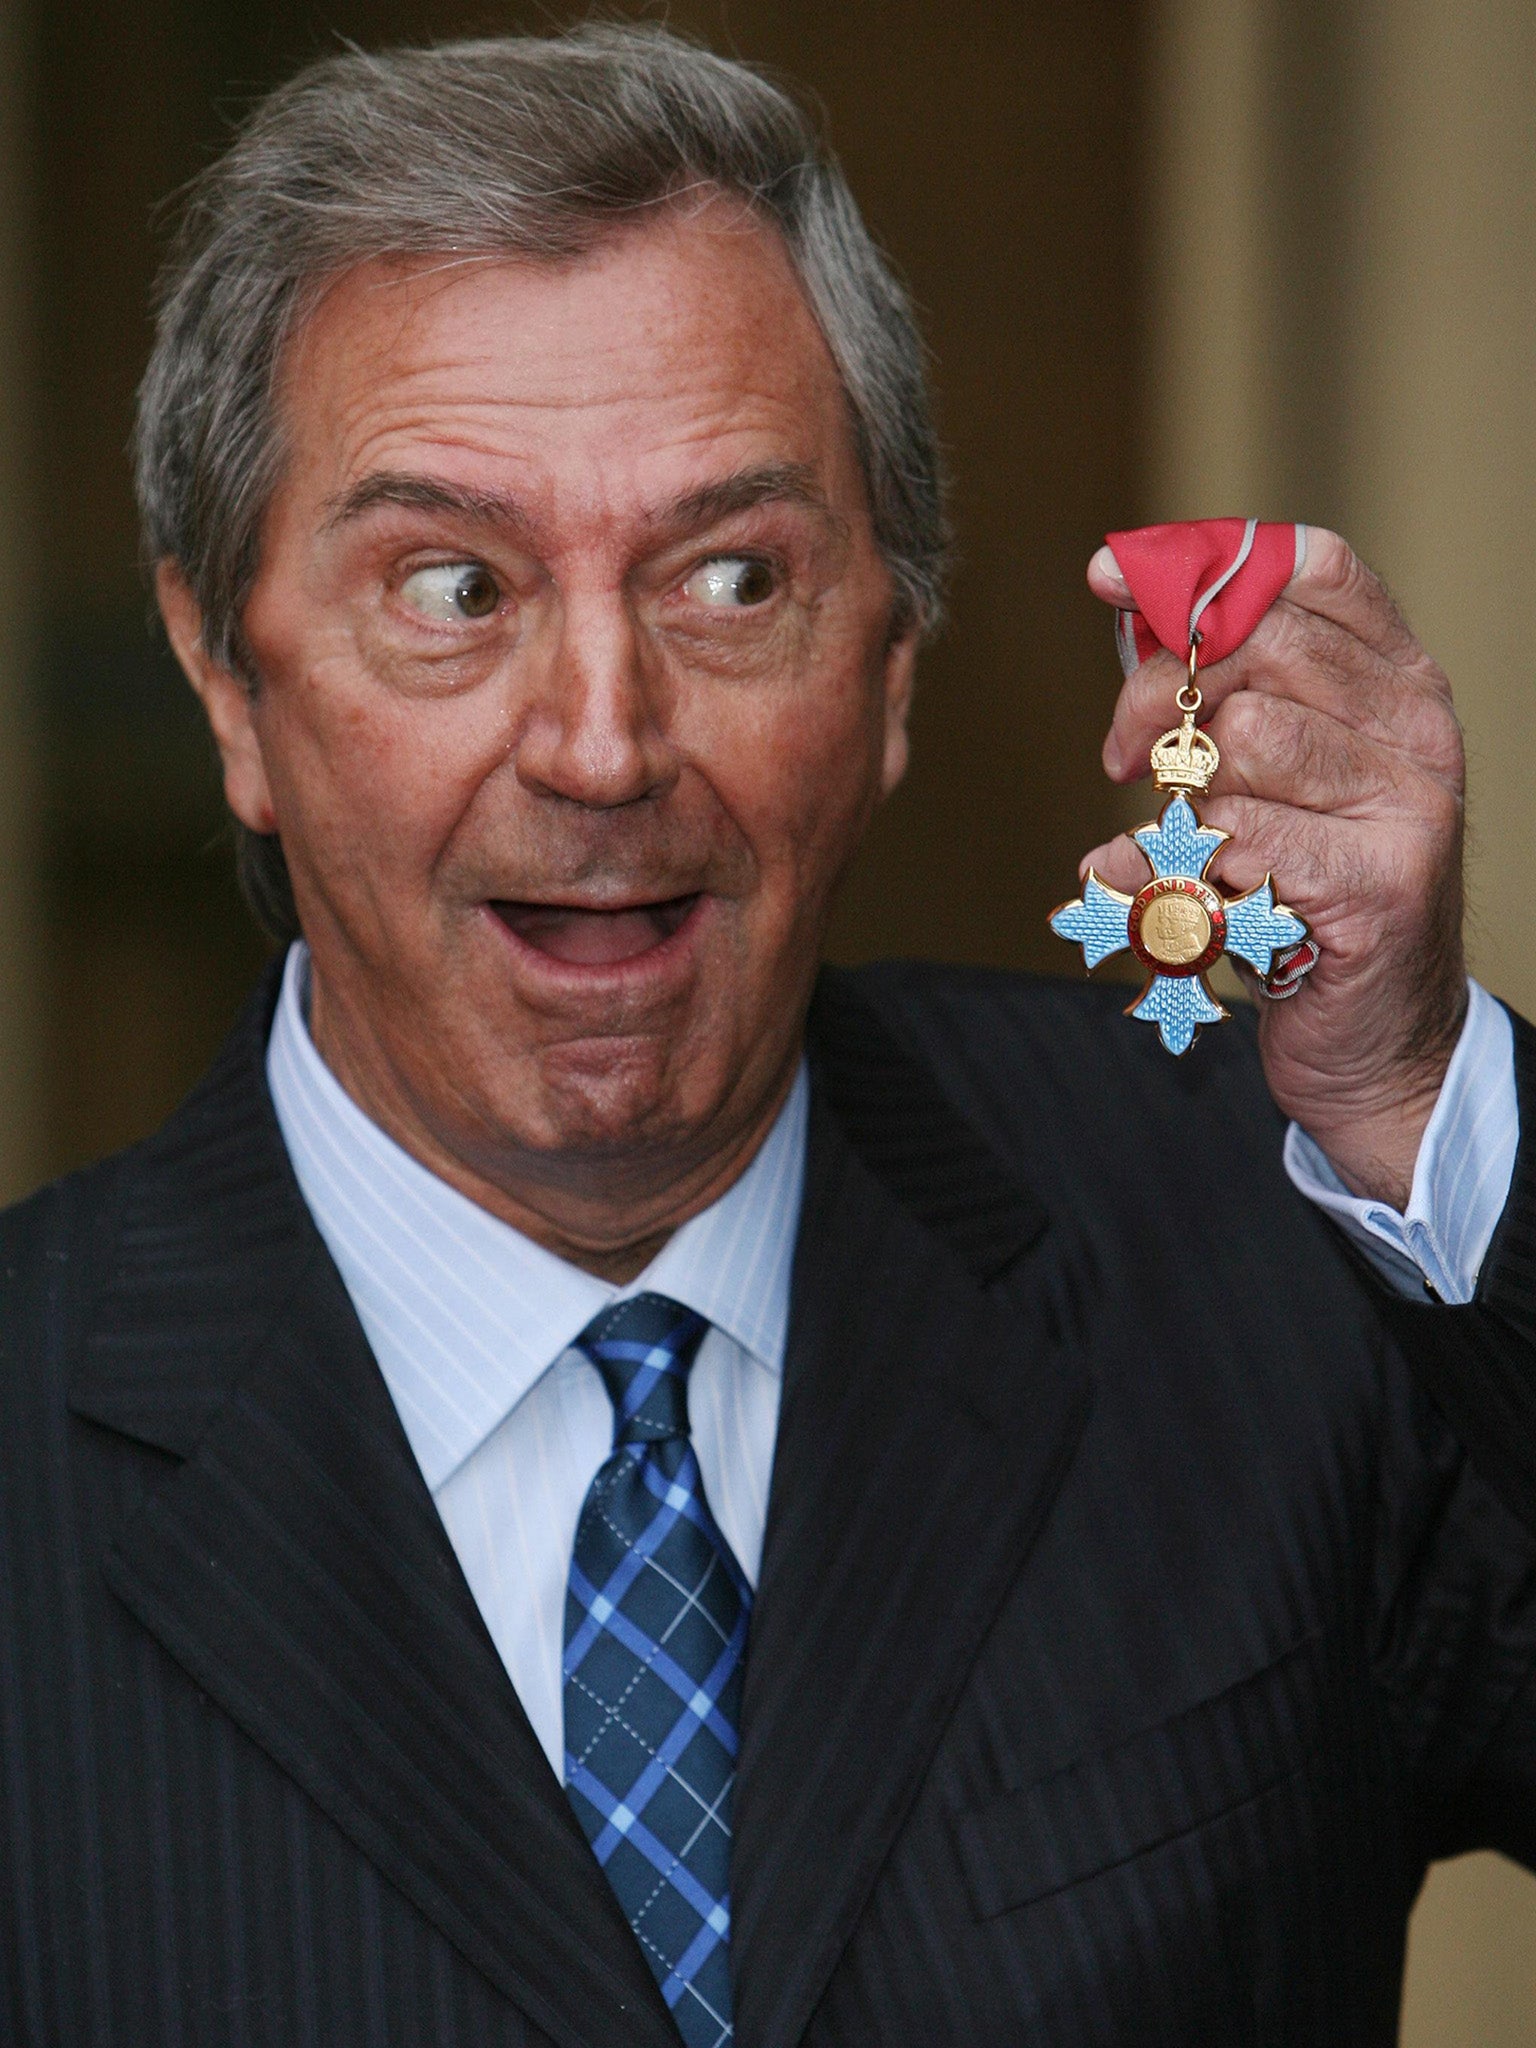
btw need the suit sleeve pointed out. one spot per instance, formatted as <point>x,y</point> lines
<point>1456,1647</point>
<point>1478,1362</point>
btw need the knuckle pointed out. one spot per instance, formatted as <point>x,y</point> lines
<point>1244,721</point>
<point>1300,645</point>
<point>1344,574</point>
<point>1443,814</point>
<point>1411,864</point>
<point>1446,754</point>
<point>1331,562</point>
<point>1422,858</point>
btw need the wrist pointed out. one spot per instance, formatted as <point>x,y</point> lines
<point>1462,1175</point>
<point>1375,1155</point>
<point>1372,1132</point>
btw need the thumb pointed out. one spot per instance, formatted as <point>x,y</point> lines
<point>1106,581</point>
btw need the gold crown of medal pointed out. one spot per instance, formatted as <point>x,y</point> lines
<point>1184,758</point>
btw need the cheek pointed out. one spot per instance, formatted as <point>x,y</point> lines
<point>799,773</point>
<point>364,782</point>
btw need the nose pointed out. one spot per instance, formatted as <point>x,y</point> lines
<point>593,733</point>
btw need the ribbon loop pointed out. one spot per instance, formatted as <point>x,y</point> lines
<point>1201,585</point>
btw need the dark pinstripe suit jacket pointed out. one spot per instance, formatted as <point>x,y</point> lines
<point>1132,1624</point>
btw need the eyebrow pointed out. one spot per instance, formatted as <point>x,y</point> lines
<point>767,483</point>
<point>425,494</point>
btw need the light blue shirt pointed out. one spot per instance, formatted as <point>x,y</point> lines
<point>472,1323</point>
<point>472,1326</point>
<point>1460,1179</point>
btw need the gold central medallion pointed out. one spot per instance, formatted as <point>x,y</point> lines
<point>1177,926</point>
<point>1175,930</point>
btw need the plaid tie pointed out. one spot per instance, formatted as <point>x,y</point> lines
<point>655,1636</point>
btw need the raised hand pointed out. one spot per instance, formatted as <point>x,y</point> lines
<point>1342,772</point>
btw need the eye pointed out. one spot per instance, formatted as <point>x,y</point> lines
<point>451,592</point>
<point>731,580</point>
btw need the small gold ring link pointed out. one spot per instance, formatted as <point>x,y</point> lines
<point>1190,698</point>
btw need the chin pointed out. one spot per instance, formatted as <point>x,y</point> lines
<point>617,1095</point>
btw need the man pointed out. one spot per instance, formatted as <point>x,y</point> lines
<point>556,1502</point>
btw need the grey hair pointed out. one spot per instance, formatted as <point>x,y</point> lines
<point>514,145</point>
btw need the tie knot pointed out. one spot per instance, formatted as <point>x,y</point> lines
<point>643,1348</point>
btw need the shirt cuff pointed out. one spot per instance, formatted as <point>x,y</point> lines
<point>1461,1177</point>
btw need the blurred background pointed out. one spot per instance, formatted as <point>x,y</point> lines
<point>1175,258</point>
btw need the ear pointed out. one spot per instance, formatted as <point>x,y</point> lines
<point>226,699</point>
<point>900,671</point>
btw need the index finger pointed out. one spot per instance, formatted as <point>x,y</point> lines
<point>1334,584</point>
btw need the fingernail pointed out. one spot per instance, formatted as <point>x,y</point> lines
<point>1105,564</point>
<point>1113,763</point>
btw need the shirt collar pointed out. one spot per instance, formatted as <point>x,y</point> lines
<point>463,1312</point>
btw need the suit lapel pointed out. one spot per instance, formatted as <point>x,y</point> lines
<point>927,1421</point>
<point>295,1565</point>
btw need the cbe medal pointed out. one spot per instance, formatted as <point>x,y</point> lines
<point>1178,924</point>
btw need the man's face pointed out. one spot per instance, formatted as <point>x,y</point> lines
<point>576,690</point>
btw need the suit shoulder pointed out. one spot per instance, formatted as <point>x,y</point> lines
<point>223,1131</point>
<point>1031,1059</point>
<point>922,995</point>
<point>946,1009</point>
<point>48,1224</point>
<point>53,1251</point>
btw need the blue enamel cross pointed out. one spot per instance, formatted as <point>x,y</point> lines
<point>1177,924</point>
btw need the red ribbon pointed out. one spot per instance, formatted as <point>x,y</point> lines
<point>1214,577</point>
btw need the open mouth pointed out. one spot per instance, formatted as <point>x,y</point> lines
<point>595,938</point>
